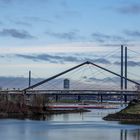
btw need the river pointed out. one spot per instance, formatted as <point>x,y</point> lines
<point>80,126</point>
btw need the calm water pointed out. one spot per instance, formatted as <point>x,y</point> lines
<point>85,126</point>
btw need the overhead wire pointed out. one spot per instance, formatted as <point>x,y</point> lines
<point>100,72</point>
<point>65,75</point>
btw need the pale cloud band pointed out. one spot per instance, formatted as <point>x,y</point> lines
<point>55,48</point>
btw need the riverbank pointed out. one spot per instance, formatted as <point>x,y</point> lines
<point>22,111</point>
<point>129,114</point>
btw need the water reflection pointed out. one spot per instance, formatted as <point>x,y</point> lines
<point>129,134</point>
<point>123,134</point>
<point>134,134</point>
<point>82,126</point>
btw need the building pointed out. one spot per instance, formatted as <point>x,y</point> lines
<point>66,83</point>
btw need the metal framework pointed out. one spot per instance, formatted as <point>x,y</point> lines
<point>66,71</point>
<point>125,67</point>
<point>121,67</point>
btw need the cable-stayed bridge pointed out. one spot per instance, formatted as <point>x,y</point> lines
<point>116,84</point>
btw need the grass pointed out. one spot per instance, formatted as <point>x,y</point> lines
<point>134,109</point>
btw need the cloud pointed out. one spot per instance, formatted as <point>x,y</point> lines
<point>129,9</point>
<point>99,60</point>
<point>21,34</point>
<point>23,23</point>
<point>64,14</point>
<point>37,19</point>
<point>117,44</point>
<point>50,58</point>
<point>102,60</point>
<point>16,82</point>
<point>102,38</point>
<point>72,35</point>
<point>132,33</point>
<point>57,58</point>
<point>129,63</point>
<point>61,58</point>
<point>26,56</point>
<point>22,82</point>
<point>104,80</point>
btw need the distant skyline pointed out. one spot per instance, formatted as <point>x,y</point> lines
<point>49,36</point>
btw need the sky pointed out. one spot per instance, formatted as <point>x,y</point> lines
<point>49,36</point>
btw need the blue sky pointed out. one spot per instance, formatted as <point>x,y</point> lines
<point>48,36</point>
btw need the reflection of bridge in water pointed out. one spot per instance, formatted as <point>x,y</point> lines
<point>125,134</point>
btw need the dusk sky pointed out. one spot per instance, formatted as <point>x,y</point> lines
<point>48,36</point>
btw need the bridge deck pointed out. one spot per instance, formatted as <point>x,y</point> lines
<point>73,92</point>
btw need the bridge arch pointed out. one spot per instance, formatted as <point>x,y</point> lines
<point>75,67</point>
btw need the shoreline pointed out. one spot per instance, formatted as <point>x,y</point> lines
<point>39,116</point>
<point>129,114</point>
<point>123,117</point>
<point>16,111</point>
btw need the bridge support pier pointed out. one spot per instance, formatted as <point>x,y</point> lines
<point>125,98</point>
<point>79,98</point>
<point>56,98</point>
<point>98,97</point>
<point>101,99</point>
